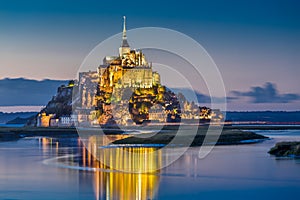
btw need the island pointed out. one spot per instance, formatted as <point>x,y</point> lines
<point>286,149</point>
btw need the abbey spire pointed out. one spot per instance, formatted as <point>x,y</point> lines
<point>124,48</point>
<point>124,37</point>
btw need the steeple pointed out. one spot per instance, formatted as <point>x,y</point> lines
<point>124,48</point>
<point>124,37</point>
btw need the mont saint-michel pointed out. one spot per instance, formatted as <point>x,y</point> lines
<point>123,90</point>
<point>177,100</point>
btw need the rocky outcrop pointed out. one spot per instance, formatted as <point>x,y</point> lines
<point>290,149</point>
<point>61,103</point>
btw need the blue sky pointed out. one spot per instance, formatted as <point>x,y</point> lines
<point>252,42</point>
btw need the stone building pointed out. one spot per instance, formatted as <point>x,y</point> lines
<point>129,72</point>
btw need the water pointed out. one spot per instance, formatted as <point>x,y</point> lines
<point>12,125</point>
<point>49,168</point>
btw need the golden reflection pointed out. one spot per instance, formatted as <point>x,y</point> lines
<point>108,179</point>
<point>127,159</point>
<point>118,184</point>
<point>46,144</point>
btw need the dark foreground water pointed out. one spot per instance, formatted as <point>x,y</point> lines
<point>49,168</point>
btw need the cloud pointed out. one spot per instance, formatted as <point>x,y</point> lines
<point>268,93</point>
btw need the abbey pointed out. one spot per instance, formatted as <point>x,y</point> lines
<point>122,83</point>
<point>123,90</point>
<point>129,69</point>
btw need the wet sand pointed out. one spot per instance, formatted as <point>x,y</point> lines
<point>229,135</point>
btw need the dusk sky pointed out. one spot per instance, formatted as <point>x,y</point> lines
<point>255,44</point>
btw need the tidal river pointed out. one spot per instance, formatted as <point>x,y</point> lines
<point>65,168</point>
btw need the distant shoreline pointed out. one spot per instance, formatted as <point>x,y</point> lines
<point>30,129</point>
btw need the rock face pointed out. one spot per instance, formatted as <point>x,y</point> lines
<point>286,149</point>
<point>61,103</point>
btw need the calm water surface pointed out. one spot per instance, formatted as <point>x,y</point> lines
<point>51,168</point>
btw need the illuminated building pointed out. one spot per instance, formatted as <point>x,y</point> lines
<point>129,69</point>
<point>88,85</point>
<point>210,115</point>
<point>125,89</point>
<point>103,92</point>
<point>43,120</point>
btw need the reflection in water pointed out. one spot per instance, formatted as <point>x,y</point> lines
<point>117,185</point>
<point>112,184</point>
<point>245,171</point>
<point>126,159</point>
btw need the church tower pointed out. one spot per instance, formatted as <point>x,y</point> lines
<point>124,48</point>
